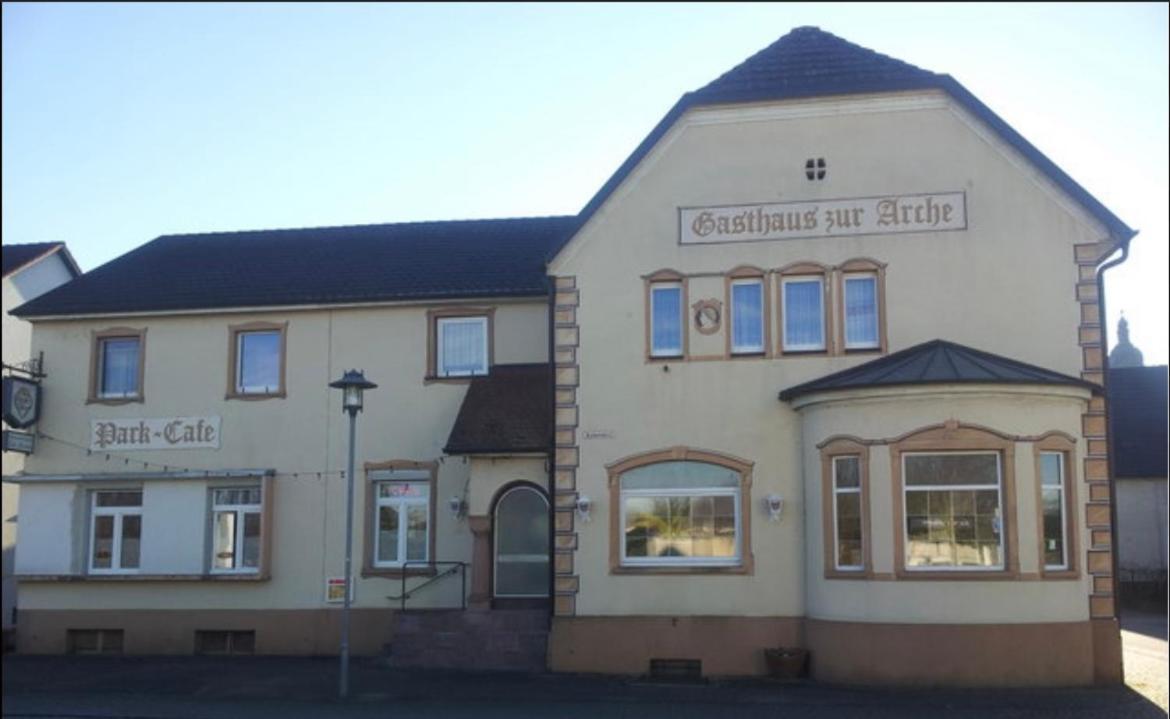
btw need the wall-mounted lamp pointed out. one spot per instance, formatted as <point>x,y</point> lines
<point>584,505</point>
<point>457,506</point>
<point>774,504</point>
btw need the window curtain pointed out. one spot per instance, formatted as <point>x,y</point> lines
<point>861,322</point>
<point>667,319</point>
<point>804,323</point>
<point>747,314</point>
<point>463,347</point>
<point>120,367</point>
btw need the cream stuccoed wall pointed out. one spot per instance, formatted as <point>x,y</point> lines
<point>306,432</point>
<point>1019,411</point>
<point>19,287</point>
<point>491,474</point>
<point>966,286</point>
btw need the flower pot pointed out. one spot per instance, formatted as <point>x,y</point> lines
<point>786,662</point>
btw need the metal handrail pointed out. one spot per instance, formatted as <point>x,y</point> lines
<point>453,567</point>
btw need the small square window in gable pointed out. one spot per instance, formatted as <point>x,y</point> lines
<point>815,168</point>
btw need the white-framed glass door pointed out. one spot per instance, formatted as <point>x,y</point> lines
<point>520,554</point>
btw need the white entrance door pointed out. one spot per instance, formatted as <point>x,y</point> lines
<point>521,544</point>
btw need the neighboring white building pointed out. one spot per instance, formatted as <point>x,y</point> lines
<point>30,270</point>
<point>771,387</point>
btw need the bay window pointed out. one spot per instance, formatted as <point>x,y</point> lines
<point>1054,522</point>
<point>847,505</point>
<point>953,509</point>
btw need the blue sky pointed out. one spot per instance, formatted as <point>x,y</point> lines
<point>124,122</point>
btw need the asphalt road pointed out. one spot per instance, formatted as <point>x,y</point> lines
<point>263,687</point>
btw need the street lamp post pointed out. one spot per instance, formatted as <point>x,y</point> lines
<point>352,384</point>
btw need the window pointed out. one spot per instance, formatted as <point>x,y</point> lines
<point>861,311</point>
<point>803,313</point>
<point>235,530</point>
<point>93,641</point>
<point>462,346</point>
<point>256,361</point>
<point>116,532</point>
<point>953,511</point>
<point>680,513</point>
<point>216,641</point>
<point>1054,523</point>
<point>401,532</point>
<point>847,525</point>
<point>747,316</point>
<point>116,368</point>
<point>666,319</point>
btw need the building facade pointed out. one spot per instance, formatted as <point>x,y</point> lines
<point>30,270</point>
<point>771,388</point>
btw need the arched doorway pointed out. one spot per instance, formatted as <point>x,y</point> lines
<point>520,561</point>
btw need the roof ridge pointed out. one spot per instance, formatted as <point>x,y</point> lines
<point>407,224</point>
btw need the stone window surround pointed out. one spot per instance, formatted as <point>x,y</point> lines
<point>743,467</point>
<point>234,332</point>
<point>97,337</point>
<point>432,349</point>
<point>369,509</point>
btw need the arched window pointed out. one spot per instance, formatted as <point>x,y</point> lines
<point>680,509</point>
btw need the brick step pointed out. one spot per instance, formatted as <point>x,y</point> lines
<point>501,640</point>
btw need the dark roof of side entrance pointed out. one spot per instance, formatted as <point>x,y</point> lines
<point>935,362</point>
<point>1137,418</point>
<point>809,62</point>
<point>510,410</point>
<point>322,265</point>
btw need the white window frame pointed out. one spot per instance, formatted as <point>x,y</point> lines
<point>802,279</point>
<point>1001,530</point>
<point>240,510</point>
<point>748,349</point>
<point>102,393</point>
<point>877,319</point>
<point>403,504</point>
<point>118,513</point>
<point>264,389</point>
<point>1061,490</point>
<point>440,322</point>
<point>655,288</point>
<point>836,529</point>
<point>734,561</point>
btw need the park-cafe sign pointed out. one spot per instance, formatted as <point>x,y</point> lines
<point>890,214</point>
<point>155,433</point>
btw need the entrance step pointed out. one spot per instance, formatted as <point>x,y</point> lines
<point>475,639</point>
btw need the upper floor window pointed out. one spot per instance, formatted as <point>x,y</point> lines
<point>666,319</point>
<point>115,531</point>
<point>462,346</point>
<point>257,360</point>
<point>116,368</point>
<point>235,529</point>
<point>747,316</point>
<point>861,311</point>
<point>803,313</point>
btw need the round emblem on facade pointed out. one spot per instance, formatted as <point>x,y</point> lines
<point>708,316</point>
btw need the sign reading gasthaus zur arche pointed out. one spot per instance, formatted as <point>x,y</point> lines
<point>890,214</point>
<point>154,433</point>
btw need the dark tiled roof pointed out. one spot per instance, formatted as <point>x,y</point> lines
<point>17,256</point>
<point>510,410</point>
<point>809,62</point>
<point>325,265</point>
<point>1137,419</point>
<point>935,362</point>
